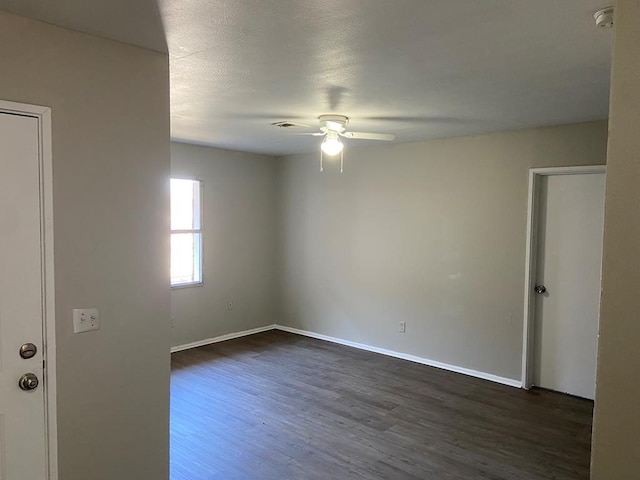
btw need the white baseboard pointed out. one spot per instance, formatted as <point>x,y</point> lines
<point>221,338</point>
<point>404,356</point>
<point>412,358</point>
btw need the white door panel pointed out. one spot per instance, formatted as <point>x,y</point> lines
<point>569,257</point>
<point>22,417</point>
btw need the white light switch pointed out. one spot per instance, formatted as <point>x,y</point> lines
<point>85,319</point>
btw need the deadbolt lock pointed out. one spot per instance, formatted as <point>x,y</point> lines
<point>28,350</point>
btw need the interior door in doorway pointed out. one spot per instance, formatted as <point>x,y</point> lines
<point>22,403</point>
<point>568,271</point>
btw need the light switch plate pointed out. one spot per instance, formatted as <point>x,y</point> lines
<point>85,320</point>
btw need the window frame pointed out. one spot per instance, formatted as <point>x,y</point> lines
<point>200,230</point>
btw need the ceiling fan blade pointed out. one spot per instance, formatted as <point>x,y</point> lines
<point>316,134</point>
<point>369,136</point>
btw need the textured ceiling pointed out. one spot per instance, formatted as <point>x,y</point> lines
<point>136,22</point>
<point>416,68</point>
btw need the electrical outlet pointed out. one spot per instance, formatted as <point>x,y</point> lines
<point>173,322</point>
<point>403,327</point>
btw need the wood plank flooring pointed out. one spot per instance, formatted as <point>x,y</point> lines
<point>281,406</point>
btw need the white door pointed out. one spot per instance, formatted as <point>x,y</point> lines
<point>22,412</point>
<point>569,257</point>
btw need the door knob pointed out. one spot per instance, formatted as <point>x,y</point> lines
<point>28,350</point>
<point>28,381</point>
<point>540,289</point>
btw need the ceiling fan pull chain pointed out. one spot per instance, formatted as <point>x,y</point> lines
<point>321,169</point>
<point>341,160</point>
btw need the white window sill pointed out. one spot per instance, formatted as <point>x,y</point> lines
<point>185,285</point>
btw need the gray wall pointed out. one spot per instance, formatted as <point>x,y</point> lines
<point>110,114</point>
<point>239,240</point>
<point>617,413</point>
<point>429,233</point>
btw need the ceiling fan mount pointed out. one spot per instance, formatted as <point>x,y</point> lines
<point>333,126</point>
<point>333,123</point>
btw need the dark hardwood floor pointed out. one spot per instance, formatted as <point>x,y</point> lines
<point>281,406</point>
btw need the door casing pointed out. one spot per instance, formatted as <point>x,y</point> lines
<point>535,174</point>
<point>43,115</point>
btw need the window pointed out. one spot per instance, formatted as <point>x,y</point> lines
<point>186,232</point>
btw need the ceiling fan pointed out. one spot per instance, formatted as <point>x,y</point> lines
<point>332,127</point>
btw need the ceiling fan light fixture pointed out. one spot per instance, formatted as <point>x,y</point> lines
<point>331,145</point>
